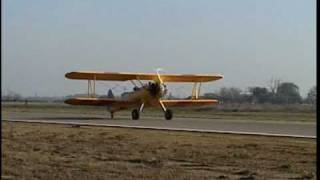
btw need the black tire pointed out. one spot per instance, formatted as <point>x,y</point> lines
<point>135,114</point>
<point>168,114</point>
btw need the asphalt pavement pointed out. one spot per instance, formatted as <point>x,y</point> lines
<point>283,128</point>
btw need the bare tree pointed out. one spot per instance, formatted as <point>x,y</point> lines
<point>232,94</point>
<point>273,85</point>
<point>312,95</point>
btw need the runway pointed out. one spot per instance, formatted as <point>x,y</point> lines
<point>265,128</point>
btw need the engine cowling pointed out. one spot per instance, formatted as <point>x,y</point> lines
<point>154,89</point>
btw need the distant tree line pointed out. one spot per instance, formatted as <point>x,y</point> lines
<point>11,96</point>
<point>277,93</point>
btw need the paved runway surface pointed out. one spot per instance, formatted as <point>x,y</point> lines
<point>234,126</point>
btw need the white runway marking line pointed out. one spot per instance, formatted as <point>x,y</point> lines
<point>160,128</point>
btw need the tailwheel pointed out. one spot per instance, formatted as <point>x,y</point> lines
<point>168,114</point>
<point>135,114</point>
<point>111,115</point>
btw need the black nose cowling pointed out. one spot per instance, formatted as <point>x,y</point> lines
<point>154,89</point>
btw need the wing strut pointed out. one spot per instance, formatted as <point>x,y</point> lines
<point>92,88</point>
<point>162,106</point>
<point>89,86</point>
<point>196,90</point>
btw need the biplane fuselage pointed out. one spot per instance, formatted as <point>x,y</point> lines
<point>148,94</point>
<point>144,95</point>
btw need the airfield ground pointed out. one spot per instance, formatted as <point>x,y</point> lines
<point>44,151</point>
<point>41,151</point>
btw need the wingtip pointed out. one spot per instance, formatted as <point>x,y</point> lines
<point>220,76</point>
<point>68,101</point>
<point>68,75</point>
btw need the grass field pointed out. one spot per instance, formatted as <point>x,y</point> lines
<point>225,112</point>
<point>40,151</point>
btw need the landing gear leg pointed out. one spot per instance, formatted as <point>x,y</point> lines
<point>141,107</point>
<point>168,114</point>
<point>136,113</point>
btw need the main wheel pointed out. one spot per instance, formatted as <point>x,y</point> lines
<point>135,114</point>
<point>168,114</point>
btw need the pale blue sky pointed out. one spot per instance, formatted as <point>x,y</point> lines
<point>247,41</point>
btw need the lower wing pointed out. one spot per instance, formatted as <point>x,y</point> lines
<point>99,102</point>
<point>119,103</point>
<point>189,102</point>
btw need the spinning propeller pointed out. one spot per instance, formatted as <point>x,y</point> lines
<point>163,91</point>
<point>160,81</point>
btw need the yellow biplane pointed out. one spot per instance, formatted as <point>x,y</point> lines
<point>144,95</point>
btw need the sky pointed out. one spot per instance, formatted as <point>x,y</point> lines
<point>248,42</point>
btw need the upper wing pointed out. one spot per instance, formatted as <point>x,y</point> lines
<point>115,76</point>
<point>99,102</point>
<point>189,102</point>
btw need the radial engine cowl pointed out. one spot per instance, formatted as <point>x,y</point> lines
<point>154,89</point>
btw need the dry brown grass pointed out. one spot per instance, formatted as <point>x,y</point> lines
<point>40,151</point>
